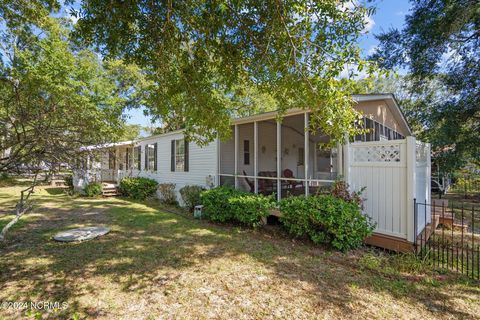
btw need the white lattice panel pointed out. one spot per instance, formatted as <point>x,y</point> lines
<point>377,153</point>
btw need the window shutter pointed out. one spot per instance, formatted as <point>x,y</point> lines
<point>172,158</point>
<point>155,156</point>
<point>186,157</point>
<point>146,157</point>
<point>139,158</point>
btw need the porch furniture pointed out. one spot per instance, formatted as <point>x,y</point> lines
<point>250,183</point>
<point>287,173</point>
<point>267,185</point>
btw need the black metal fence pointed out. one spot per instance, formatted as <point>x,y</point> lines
<point>448,236</point>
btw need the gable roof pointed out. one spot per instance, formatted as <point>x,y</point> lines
<point>388,98</point>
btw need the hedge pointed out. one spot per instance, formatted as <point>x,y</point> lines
<point>223,204</point>
<point>138,188</point>
<point>326,219</point>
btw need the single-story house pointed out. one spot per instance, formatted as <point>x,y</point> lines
<point>267,156</point>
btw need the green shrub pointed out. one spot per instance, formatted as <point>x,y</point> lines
<point>68,180</point>
<point>138,188</point>
<point>167,193</point>
<point>340,190</point>
<point>191,196</point>
<point>326,219</point>
<point>6,180</point>
<point>93,189</point>
<point>223,204</point>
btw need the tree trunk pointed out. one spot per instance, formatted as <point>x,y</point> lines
<point>22,207</point>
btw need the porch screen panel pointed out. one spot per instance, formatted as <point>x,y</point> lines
<point>267,157</point>
<point>227,154</point>
<point>292,155</point>
<point>246,181</point>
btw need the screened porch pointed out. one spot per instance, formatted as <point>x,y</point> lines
<point>265,156</point>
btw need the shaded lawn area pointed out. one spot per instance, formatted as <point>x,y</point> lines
<point>157,264</point>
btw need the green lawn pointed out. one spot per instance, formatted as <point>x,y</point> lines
<point>157,264</point>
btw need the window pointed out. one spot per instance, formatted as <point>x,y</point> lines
<point>128,155</point>
<point>301,157</point>
<point>151,157</point>
<point>137,158</point>
<point>179,160</point>
<point>370,126</point>
<point>246,152</point>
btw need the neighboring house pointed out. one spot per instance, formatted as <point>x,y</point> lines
<point>265,156</point>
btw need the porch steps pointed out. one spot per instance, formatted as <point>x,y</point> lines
<point>423,237</point>
<point>109,190</point>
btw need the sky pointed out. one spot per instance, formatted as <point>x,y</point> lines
<point>389,14</point>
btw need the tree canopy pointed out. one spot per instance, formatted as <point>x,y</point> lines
<point>205,58</point>
<point>440,48</point>
<point>54,100</point>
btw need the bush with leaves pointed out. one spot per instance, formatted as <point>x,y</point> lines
<point>223,204</point>
<point>340,190</point>
<point>68,180</point>
<point>93,189</point>
<point>326,219</point>
<point>138,188</point>
<point>191,196</point>
<point>167,193</point>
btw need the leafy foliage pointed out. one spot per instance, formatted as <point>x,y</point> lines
<point>68,180</point>
<point>208,61</point>
<point>223,204</point>
<point>167,193</point>
<point>138,188</point>
<point>54,100</point>
<point>439,46</point>
<point>326,219</point>
<point>340,190</point>
<point>191,196</point>
<point>93,189</point>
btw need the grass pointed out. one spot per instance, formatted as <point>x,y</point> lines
<point>159,264</point>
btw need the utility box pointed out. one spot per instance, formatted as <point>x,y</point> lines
<point>197,212</point>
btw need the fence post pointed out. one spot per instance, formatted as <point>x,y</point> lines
<point>346,161</point>
<point>411,184</point>
<point>415,216</point>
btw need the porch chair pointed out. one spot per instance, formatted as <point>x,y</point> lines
<point>287,173</point>
<point>250,183</point>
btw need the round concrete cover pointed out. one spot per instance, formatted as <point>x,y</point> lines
<point>81,234</point>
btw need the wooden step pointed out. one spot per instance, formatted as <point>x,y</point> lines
<point>110,191</point>
<point>423,237</point>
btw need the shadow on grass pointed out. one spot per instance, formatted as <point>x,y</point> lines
<point>146,242</point>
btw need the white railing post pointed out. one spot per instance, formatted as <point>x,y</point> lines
<point>255,156</point>
<point>219,157</point>
<point>306,153</point>
<point>346,161</point>
<point>236,156</point>
<point>411,185</point>
<point>339,159</point>
<point>279,160</point>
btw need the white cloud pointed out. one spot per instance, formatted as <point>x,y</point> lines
<point>72,18</point>
<point>368,20</point>
<point>369,24</point>
<point>351,72</point>
<point>372,50</point>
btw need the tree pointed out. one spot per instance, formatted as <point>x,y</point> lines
<point>440,48</point>
<point>204,58</point>
<point>54,100</point>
